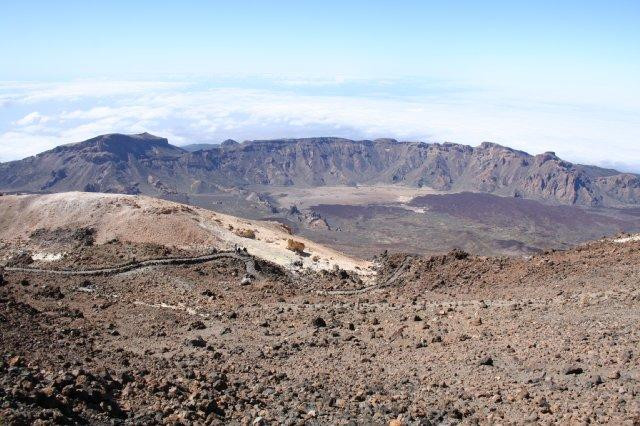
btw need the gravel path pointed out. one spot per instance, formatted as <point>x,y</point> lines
<point>248,261</point>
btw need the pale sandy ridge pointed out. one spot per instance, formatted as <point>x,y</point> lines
<point>142,219</point>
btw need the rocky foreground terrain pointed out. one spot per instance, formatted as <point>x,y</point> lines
<point>447,339</point>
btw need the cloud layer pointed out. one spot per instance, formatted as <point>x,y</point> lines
<point>38,116</point>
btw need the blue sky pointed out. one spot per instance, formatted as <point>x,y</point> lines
<point>538,76</point>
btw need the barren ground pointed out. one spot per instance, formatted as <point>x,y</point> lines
<point>455,340</point>
<point>366,220</point>
<point>303,198</point>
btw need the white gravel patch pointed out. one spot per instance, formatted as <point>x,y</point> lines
<point>47,257</point>
<point>630,239</point>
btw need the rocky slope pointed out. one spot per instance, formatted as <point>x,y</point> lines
<point>150,165</point>
<point>450,339</point>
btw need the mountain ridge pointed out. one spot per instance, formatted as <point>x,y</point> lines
<point>150,165</point>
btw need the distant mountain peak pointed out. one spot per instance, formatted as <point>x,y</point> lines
<point>109,139</point>
<point>489,145</point>
<point>134,138</point>
<point>229,142</point>
<point>147,135</point>
<point>118,147</point>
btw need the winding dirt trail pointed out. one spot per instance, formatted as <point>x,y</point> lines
<point>248,261</point>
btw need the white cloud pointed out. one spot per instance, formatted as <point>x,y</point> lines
<point>32,118</point>
<point>187,112</point>
<point>15,145</point>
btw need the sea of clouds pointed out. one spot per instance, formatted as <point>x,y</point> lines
<point>36,116</point>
